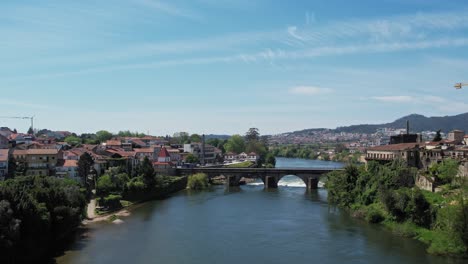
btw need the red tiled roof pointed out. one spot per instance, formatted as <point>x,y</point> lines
<point>113,143</point>
<point>394,147</point>
<point>144,150</point>
<point>163,153</point>
<point>70,163</point>
<point>42,151</point>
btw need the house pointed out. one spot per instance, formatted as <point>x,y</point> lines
<point>4,142</point>
<point>4,157</point>
<point>231,156</point>
<point>164,160</point>
<point>408,152</point>
<point>141,153</point>
<point>175,154</point>
<point>138,143</point>
<point>6,132</point>
<point>196,149</point>
<point>45,140</point>
<point>69,169</point>
<point>113,143</point>
<point>457,136</point>
<point>39,161</point>
<point>252,156</point>
<point>20,138</point>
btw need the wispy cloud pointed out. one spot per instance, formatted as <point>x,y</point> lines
<point>309,90</point>
<point>23,104</point>
<point>394,99</point>
<point>170,9</point>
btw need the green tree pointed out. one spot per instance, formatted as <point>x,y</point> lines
<point>11,166</point>
<point>103,135</point>
<point>181,137</point>
<point>84,166</point>
<point>270,160</point>
<point>252,135</point>
<point>30,131</point>
<point>147,171</point>
<point>445,171</point>
<point>191,158</point>
<point>213,142</point>
<point>73,140</point>
<point>438,136</point>
<point>195,138</point>
<point>235,144</point>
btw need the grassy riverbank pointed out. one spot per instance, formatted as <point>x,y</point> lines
<point>386,194</point>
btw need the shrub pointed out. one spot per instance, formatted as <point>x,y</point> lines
<point>198,181</point>
<point>112,201</point>
<point>375,214</point>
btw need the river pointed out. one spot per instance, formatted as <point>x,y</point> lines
<point>245,225</point>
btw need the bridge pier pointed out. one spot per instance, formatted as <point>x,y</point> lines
<point>271,182</point>
<point>232,180</point>
<point>312,183</point>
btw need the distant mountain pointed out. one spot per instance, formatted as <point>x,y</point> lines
<point>418,123</point>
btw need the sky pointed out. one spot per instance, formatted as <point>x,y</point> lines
<point>223,66</point>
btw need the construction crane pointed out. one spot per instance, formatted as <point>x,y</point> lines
<point>22,117</point>
<point>460,85</point>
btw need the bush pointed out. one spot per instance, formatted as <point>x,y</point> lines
<point>111,201</point>
<point>375,214</point>
<point>198,181</point>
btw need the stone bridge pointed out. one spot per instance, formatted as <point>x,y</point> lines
<point>269,176</point>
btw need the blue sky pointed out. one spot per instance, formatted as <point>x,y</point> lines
<point>222,66</point>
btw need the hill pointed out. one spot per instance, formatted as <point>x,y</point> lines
<point>418,123</point>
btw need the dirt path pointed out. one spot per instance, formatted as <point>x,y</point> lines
<point>90,213</point>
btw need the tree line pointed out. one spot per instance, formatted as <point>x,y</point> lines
<point>387,194</point>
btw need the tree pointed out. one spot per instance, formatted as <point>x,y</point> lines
<point>147,171</point>
<point>11,166</point>
<point>195,138</point>
<point>213,142</point>
<point>30,131</point>
<point>73,140</point>
<point>437,137</point>
<point>235,144</point>
<point>84,166</point>
<point>252,135</point>
<point>445,171</point>
<point>181,137</point>
<point>270,160</point>
<point>103,135</point>
<point>191,158</point>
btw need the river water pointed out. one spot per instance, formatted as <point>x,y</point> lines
<point>245,225</point>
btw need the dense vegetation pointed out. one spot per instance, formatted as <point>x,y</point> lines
<point>316,151</point>
<point>387,194</point>
<point>198,181</point>
<point>35,213</point>
<point>116,186</point>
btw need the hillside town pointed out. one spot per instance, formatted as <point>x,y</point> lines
<point>50,155</point>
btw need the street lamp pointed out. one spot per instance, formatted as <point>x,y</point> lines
<point>460,85</point>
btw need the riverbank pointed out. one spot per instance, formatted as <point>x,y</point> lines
<point>386,195</point>
<point>163,190</point>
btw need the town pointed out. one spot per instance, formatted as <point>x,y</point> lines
<point>57,153</point>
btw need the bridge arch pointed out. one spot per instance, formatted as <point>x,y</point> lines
<point>302,178</point>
